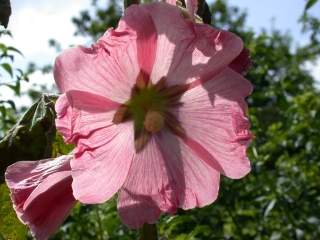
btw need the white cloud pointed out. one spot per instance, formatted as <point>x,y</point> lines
<point>34,22</point>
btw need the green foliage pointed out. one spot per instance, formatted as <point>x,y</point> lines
<point>95,222</point>
<point>59,147</point>
<point>11,78</point>
<point>10,226</point>
<point>31,137</point>
<point>310,4</point>
<point>96,23</point>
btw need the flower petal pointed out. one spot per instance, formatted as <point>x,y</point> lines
<point>49,204</point>
<point>194,182</point>
<point>172,2</point>
<point>174,37</point>
<point>165,178</point>
<point>213,116</point>
<point>41,193</point>
<point>138,20</point>
<point>81,113</point>
<point>101,168</point>
<point>210,52</point>
<point>135,210</point>
<point>147,174</point>
<point>90,102</point>
<point>99,71</point>
<point>242,63</point>
<point>149,178</point>
<point>111,66</point>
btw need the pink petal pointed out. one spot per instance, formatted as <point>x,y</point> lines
<point>148,177</point>
<point>148,173</point>
<point>189,52</point>
<point>79,114</point>
<point>163,179</point>
<point>135,210</point>
<point>195,183</point>
<point>213,115</point>
<point>99,71</point>
<point>242,63</point>
<point>138,20</point>
<point>174,37</point>
<point>41,193</point>
<point>102,162</point>
<point>90,102</point>
<point>111,66</point>
<point>210,52</point>
<point>172,2</point>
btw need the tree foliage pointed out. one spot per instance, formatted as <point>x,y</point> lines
<point>280,198</point>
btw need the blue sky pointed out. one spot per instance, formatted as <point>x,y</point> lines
<point>285,14</point>
<point>35,21</point>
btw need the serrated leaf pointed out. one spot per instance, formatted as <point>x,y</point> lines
<point>31,138</point>
<point>10,226</point>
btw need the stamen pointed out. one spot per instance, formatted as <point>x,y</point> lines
<point>174,91</point>
<point>174,125</point>
<point>153,121</point>
<point>141,139</point>
<point>149,109</point>
<point>142,80</point>
<point>121,114</point>
<point>161,84</point>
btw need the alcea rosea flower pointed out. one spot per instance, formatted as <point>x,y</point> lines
<point>156,110</point>
<point>41,193</point>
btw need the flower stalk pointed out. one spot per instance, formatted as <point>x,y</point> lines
<point>127,3</point>
<point>149,232</point>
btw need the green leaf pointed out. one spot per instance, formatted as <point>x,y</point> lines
<point>10,226</point>
<point>13,49</point>
<point>7,67</point>
<point>15,87</point>
<point>309,4</point>
<point>31,138</point>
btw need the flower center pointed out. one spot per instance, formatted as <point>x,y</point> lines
<point>148,107</point>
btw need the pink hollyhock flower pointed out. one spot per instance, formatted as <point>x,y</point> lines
<point>41,193</point>
<point>156,109</point>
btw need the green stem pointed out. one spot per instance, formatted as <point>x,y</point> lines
<point>127,3</point>
<point>149,232</point>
